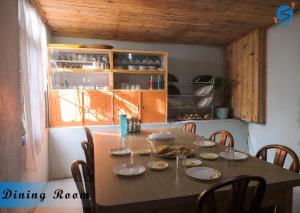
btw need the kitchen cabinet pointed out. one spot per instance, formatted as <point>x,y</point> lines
<point>65,108</point>
<point>128,102</point>
<point>154,106</point>
<point>98,108</point>
<point>93,86</point>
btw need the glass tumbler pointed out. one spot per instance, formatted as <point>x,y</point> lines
<point>180,163</point>
<point>134,157</point>
<point>229,152</point>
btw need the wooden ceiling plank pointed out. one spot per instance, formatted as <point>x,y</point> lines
<point>213,21</point>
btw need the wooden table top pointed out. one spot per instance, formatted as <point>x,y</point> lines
<point>167,187</point>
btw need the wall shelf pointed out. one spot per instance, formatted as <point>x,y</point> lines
<point>150,72</point>
<point>193,107</point>
<point>189,95</point>
<point>78,70</point>
<point>185,106</point>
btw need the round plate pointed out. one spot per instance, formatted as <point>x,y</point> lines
<point>208,156</point>
<point>158,165</point>
<point>120,151</point>
<point>237,156</point>
<point>203,173</point>
<point>129,169</point>
<point>144,151</point>
<point>192,162</point>
<point>205,143</point>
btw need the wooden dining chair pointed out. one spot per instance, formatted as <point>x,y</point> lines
<point>223,137</point>
<point>89,156</point>
<point>189,127</point>
<point>237,204</point>
<point>281,152</point>
<point>89,136</point>
<point>84,183</point>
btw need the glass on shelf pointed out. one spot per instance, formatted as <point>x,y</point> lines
<point>138,61</point>
<point>127,86</point>
<point>68,60</point>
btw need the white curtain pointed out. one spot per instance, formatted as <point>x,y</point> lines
<point>33,68</point>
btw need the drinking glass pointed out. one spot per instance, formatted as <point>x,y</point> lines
<point>180,163</point>
<point>134,157</point>
<point>229,152</point>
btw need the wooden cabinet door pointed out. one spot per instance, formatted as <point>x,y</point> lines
<point>65,108</point>
<point>127,102</point>
<point>154,108</point>
<point>245,65</point>
<point>98,107</point>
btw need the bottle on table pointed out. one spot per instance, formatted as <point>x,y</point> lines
<point>123,125</point>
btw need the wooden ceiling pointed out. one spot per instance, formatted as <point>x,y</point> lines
<point>172,21</point>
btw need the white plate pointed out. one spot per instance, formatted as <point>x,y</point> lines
<point>208,156</point>
<point>205,143</point>
<point>158,165</point>
<point>144,151</point>
<point>129,169</point>
<point>163,135</point>
<point>237,156</point>
<point>205,90</point>
<point>192,162</point>
<point>120,151</point>
<point>203,173</point>
<point>205,102</point>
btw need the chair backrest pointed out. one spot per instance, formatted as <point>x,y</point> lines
<point>84,183</point>
<point>189,127</point>
<point>239,195</point>
<point>89,156</point>
<point>89,136</point>
<point>223,137</point>
<point>281,152</point>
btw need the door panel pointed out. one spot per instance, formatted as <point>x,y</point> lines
<point>98,107</point>
<point>65,108</point>
<point>154,106</point>
<point>127,102</point>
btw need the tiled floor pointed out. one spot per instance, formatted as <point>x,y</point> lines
<point>60,210</point>
<point>65,206</point>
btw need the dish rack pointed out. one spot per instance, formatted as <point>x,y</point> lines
<point>191,102</point>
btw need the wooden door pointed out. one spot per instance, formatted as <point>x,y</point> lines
<point>65,108</point>
<point>127,102</point>
<point>98,108</point>
<point>154,107</point>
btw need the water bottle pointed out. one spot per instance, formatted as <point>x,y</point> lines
<point>123,125</point>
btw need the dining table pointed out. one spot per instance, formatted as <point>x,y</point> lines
<point>172,191</point>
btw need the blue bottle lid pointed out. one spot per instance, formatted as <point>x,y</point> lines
<point>123,115</point>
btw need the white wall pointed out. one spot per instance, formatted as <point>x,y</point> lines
<point>283,94</point>
<point>283,90</point>
<point>185,61</point>
<point>12,154</point>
